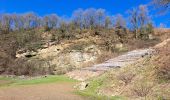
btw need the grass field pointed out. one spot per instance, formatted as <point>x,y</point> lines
<point>4,81</point>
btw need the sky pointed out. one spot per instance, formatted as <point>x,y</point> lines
<point>67,7</point>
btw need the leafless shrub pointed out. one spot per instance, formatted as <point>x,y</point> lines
<point>63,70</point>
<point>105,56</point>
<point>142,89</point>
<point>162,5</point>
<point>135,43</point>
<point>87,64</point>
<point>126,77</point>
<point>24,67</point>
<point>162,62</point>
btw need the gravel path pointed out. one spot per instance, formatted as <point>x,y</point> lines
<point>120,61</point>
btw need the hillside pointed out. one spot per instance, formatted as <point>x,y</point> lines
<point>84,50</point>
<point>147,79</point>
<point>60,56</point>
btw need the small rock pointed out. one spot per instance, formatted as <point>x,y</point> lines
<point>10,76</point>
<point>21,77</point>
<point>119,46</point>
<point>30,54</point>
<point>151,37</point>
<point>83,85</point>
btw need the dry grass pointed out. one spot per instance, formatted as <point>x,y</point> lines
<point>126,77</point>
<point>137,81</point>
<point>138,44</point>
<point>162,33</point>
<point>162,62</point>
<point>142,88</point>
<point>87,64</point>
<point>105,56</point>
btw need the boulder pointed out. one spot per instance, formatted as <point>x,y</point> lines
<point>30,54</point>
<point>119,46</point>
<point>26,54</point>
<point>151,37</point>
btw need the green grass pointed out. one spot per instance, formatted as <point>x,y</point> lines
<point>4,81</point>
<point>49,79</point>
<point>92,90</point>
<point>5,78</point>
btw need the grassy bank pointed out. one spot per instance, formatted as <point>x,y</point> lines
<point>91,92</point>
<point>39,80</point>
<point>137,81</point>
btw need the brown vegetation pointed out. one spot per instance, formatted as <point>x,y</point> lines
<point>30,32</point>
<point>142,89</point>
<point>148,79</point>
<point>163,62</point>
<point>126,77</point>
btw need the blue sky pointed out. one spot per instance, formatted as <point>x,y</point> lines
<point>66,7</point>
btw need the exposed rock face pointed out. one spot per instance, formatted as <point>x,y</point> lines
<point>63,61</point>
<point>52,51</point>
<point>75,59</point>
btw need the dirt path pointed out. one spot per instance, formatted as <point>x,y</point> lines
<point>52,91</point>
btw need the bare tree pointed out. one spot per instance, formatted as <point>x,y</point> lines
<point>0,22</point>
<point>46,21</point>
<point>22,22</point>
<point>143,15</point>
<point>53,20</point>
<point>120,25</point>
<point>89,18</point>
<point>107,22</point>
<point>30,20</point>
<point>162,4</point>
<point>50,21</point>
<point>120,21</point>
<point>27,21</point>
<point>139,18</point>
<point>63,26</point>
<point>134,20</point>
<point>6,22</point>
<point>77,18</point>
<point>100,17</point>
<point>15,21</point>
